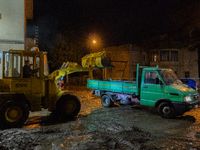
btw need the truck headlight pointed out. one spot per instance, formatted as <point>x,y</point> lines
<point>187,99</point>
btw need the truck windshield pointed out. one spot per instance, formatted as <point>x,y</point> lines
<point>169,77</point>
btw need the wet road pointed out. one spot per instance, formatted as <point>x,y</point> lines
<point>119,127</point>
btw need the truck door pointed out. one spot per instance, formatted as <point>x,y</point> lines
<point>151,88</point>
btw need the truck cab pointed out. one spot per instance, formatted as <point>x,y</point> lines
<point>162,88</point>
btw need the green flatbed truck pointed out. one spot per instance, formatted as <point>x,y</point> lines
<point>155,87</point>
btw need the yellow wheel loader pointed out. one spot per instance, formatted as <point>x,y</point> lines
<point>19,95</point>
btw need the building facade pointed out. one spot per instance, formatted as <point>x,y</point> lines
<point>125,59</point>
<point>183,62</point>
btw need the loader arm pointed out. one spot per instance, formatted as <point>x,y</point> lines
<point>71,67</point>
<point>67,68</point>
<point>89,62</point>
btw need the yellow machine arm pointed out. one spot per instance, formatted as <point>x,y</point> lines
<point>71,67</point>
<point>96,60</point>
<point>89,62</point>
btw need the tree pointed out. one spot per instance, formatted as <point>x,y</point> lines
<point>67,47</point>
<point>184,29</point>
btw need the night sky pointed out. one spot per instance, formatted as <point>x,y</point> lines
<point>116,21</point>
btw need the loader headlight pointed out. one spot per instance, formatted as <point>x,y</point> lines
<point>187,99</point>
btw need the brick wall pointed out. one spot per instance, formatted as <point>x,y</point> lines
<point>28,9</point>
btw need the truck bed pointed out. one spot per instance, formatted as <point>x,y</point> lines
<point>128,87</point>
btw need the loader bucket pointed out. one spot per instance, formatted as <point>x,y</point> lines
<point>96,60</point>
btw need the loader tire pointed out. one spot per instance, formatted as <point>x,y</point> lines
<point>13,114</point>
<point>69,107</point>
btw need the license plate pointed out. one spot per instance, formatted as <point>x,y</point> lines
<point>196,106</point>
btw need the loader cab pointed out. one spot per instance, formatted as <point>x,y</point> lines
<point>14,61</point>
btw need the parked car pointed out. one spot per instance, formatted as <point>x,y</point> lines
<point>191,83</point>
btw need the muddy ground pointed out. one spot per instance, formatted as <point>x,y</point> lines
<point>119,128</point>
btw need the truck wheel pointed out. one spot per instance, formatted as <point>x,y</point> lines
<point>106,101</point>
<point>166,110</point>
<point>13,114</point>
<point>70,106</point>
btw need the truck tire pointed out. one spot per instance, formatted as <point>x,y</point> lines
<point>106,101</point>
<point>69,107</point>
<point>13,114</point>
<point>166,110</point>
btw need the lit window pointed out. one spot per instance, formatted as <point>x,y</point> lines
<point>154,55</point>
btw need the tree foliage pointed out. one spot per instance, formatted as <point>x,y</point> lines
<point>184,29</point>
<point>67,47</point>
<point>186,23</point>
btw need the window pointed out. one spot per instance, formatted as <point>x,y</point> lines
<point>174,55</point>
<point>38,66</point>
<point>143,58</point>
<point>12,65</point>
<point>164,55</point>
<point>150,77</point>
<point>0,16</point>
<point>154,55</point>
<point>46,68</point>
<point>134,75</point>
<point>187,74</point>
<point>34,65</point>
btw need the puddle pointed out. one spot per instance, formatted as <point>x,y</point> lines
<point>70,141</point>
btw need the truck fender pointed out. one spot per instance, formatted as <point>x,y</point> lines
<point>162,100</point>
<point>109,95</point>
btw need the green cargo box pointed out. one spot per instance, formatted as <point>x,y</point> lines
<point>128,87</point>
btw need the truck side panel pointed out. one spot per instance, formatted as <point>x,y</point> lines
<point>113,86</point>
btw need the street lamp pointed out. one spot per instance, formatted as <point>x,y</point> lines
<point>94,42</point>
